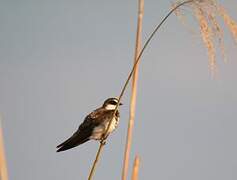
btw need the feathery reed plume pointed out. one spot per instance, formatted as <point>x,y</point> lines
<point>207,38</point>
<point>206,12</point>
<point>219,34</point>
<point>182,18</point>
<point>136,165</point>
<point>3,164</point>
<point>230,23</point>
<point>134,92</point>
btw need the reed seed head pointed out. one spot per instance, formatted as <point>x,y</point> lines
<point>206,13</point>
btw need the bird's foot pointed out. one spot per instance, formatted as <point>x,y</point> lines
<point>103,142</point>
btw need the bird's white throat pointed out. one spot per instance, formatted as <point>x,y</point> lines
<point>110,107</point>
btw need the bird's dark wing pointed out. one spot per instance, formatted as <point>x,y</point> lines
<point>84,131</point>
<point>76,139</point>
<point>94,119</point>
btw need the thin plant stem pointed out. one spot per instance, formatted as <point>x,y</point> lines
<point>102,142</point>
<point>3,163</point>
<point>135,170</point>
<point>134,92</point>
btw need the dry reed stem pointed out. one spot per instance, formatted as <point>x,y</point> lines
<point>134,92</point>
<point>3,163</point>
<point>102,142</point>
<point>136,165</point>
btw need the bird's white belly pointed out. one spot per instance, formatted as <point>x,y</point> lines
<point>100,130</point>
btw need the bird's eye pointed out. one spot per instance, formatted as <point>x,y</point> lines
<point>113,102</point>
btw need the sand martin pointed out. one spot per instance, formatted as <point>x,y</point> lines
<point>94,125</point>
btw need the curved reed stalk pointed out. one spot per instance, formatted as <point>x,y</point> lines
<point>102,142</point>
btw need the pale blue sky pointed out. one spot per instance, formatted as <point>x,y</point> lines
<point>60,59</point>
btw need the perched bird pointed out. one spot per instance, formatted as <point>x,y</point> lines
<point>94,125</point>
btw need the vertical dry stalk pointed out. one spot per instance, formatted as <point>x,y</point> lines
<point>3,164</point>
<point>136,165</point>
<point>134,92</point>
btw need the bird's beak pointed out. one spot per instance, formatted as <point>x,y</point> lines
<point>120,104</point>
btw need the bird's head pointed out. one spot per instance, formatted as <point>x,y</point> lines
<point>111,103</point>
